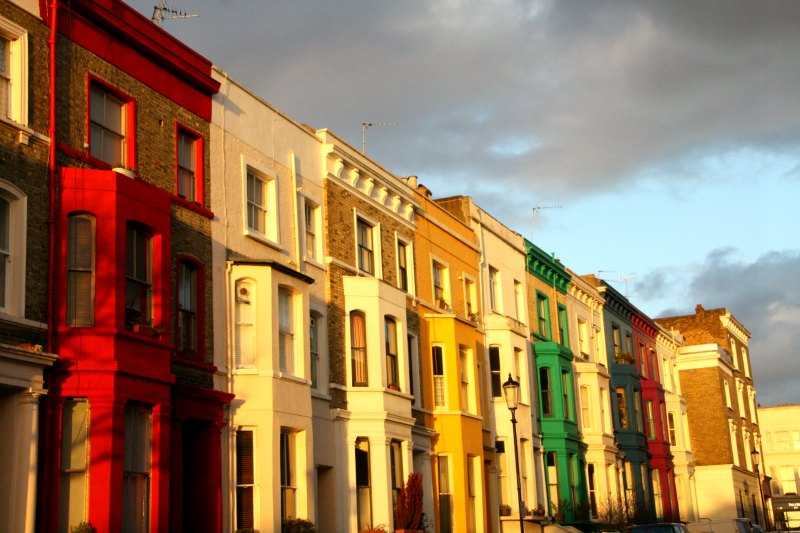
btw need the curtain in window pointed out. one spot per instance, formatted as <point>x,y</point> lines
<point>358,344</point>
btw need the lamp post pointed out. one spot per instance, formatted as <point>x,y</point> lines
<point>756,455</point>
<point>511,393</point>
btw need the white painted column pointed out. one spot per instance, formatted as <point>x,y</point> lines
<point>23,474</point>
<point>381,481</point>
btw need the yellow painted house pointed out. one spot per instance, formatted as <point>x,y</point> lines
<point>451,343</point>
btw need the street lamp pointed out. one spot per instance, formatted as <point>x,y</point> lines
<point>511,393</point>
<point>756,455</point>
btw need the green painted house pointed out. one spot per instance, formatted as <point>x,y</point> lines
<point>564,458</point>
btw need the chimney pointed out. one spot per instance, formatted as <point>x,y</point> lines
<point>699,310</point>
<point>411,181</point>
<point>424,190</point>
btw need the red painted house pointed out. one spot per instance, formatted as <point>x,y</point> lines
<point>131,435</point>
<point>662,473</point>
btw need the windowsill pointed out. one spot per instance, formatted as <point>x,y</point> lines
<point>263,239</point>
<point>292,377</point>
<point>320,395</point>
<point>194,363</point>
<point>21,321</point>
<point>25,132</point>
<point>313,262</point>
<point>193,206</point>
<point>246,371</point>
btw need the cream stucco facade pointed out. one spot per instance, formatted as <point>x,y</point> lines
<point>667,345</point>
<point>269,279</point>
<point>593,389</point>
<point>21,384</point>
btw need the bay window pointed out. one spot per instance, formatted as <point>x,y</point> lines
<point>439,385</point>
<point>285,330</point>
<point>80,270</point>
<point>494,369</point>
<point>138,277</point>
<point>546,390</point>
<point>392,372</point>
<point>358,348</point>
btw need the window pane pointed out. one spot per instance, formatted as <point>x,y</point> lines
<point>186,151</point>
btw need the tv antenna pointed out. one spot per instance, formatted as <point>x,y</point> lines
<point>624,277</point>
<point>364,126</point>
<point>539,208</point>
<point>162,12</point>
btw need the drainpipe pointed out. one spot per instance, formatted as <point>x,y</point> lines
<point>53,186</point>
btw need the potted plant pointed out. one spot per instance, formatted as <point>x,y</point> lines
<point>408,509</point>
<point>505,510</point>
<point>83,527</point>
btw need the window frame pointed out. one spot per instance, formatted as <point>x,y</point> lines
<point>15,277</point>
<point>69,471</point>
<point>391,353</point>
<point>374,241</point>
<point>199,352</point>
<point>287,459</point>
<point>128,114</point>
<point>312,209</point>
<point>71,319</point>
<point>270,235</point>
<point>543,318</point>
<point>147,284</point>
<point>496,374</point>
<point>439,385</point>
<point>546,391</point>
<point>199,162</point>
<point>287,349</point>
<point>495,290</point>
<point>18,51</point>
<point>147,473</point>
<point>405,269</point>
<point>252,484</point>
<point>446,303</point>
<point>563,324</point>
<point>252,301</point>
<point>314,319</point>
<point>358,353</point>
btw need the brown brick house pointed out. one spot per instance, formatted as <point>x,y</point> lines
<point>716,380</point>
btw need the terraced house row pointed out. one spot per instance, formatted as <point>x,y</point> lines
<point>215,318</point>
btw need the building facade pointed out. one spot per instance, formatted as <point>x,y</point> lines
<point>781,446</point>
<point>132,421</point>
<point>269,269</point>
<point>593,385</point>
<point>715,376</point>
<point>24,232</point>
<point>564,450</point>
<point>451,348</point>
<point>369,215</point>
<point>626,402</point>
<point>654,409</point>
<point>677,424</point>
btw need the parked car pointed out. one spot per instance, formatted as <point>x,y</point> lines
<point>664,527</point>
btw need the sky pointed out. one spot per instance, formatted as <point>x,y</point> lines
<point>663,138</point>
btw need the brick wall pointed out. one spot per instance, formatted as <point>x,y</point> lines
<point>340,244</point>
<point>708,418</point>
<point>157,120</point>
<point>25,166</point>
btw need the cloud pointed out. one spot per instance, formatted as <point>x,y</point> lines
<point>764,295</point>
<point>610,91</point>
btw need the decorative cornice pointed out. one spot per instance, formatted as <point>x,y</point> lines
<point>546,267</point>
<point>644,323</point>
<point>730,323</point>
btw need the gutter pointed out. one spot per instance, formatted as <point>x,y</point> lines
<point>53,186</point>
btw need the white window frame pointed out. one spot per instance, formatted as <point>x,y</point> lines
<point>17,251</point>
<point>443,375</point>
<point>448,294</point>
<point>290,362</point>
<point>238,363</point>
<point>470,296</point>
<point>18,70</point>
<point>316,223</point>
<point>270,235</point>
<point>519,302</point>
<point>495,290</point>
<point>377,255</point>
<point>412,289</point>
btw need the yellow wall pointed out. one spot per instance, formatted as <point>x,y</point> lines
<point>459,436</point>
